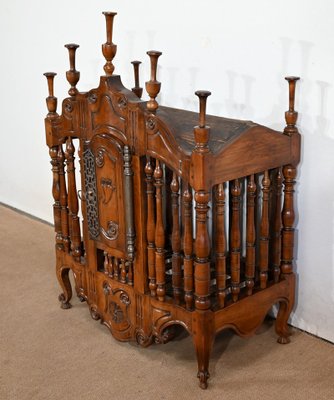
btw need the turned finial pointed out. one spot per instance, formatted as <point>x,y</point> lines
<point>153,86</point>
<point>291,115</point>
<point>137,90</point>
<point>109,48</point>
<point>51,100</point>
<point>72,75</point>
<point>202,131</point>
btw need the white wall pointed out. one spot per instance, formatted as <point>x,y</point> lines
<point>240,50</point>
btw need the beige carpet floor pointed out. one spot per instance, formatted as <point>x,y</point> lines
<point>50,353</point>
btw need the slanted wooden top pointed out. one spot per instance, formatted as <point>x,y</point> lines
<point>181,123</point>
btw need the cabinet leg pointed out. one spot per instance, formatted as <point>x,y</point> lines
<point>203,338</point>
<point>64,281</point>
<point>281,325</point>
<point>285,308</point>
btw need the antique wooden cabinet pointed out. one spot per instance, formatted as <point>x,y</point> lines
<point>187,219</point>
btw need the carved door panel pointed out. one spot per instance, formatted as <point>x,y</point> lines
<point>103,161</point>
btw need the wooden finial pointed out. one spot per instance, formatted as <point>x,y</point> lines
<point>137,90</point>
<point>153,86</point>
<point>202,131</point>
<point>109,48</point>
<point>72,75</point>
<point>51,100</point>
<point>291,115</point>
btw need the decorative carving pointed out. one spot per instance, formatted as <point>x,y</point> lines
<point>116,306</point>
<point>92,215</point>
<point>99,159</point>
<point>122,102</point>
<point>92,98</point>
<point>68,107</point>
<point>142,339</point>
<point>116,312</point>
<point>94,312</point>
<point>112,230</point>
<point>151,123</point>
<point>107,189</point>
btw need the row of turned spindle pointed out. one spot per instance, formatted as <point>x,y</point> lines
<point>183,252</point>
<point>66,206</point>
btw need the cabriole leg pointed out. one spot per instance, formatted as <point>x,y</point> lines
<point>64,281</point>
<point>285,308</point>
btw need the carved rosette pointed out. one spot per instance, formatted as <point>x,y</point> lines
<point>151,124</point>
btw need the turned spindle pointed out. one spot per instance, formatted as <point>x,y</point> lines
<point>73,205</point>
<point>150,227</point>
<point>289,174</point>
<point>250,235</point>
<point>202,131</point>
<point>63,200</point>
<point>176,241</point>
<point>235,239</point>
<point>110,266</point>
<point>291,115</point>
<point>137,90</point>
<point>277,226</point>
<point>53,151</point>
<point>51,100</point>
<point>288,218</point>
<point>109,48</point>
<point>105,263</point>
<point>188,247</point>
<point>153,86</point>
<point>202,252</point>
<point>264,231</point>
<point>220,243</point>
<point>72,75</point>
<point>159,233</point>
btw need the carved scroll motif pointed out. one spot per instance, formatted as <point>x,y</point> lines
<point>112,230</point>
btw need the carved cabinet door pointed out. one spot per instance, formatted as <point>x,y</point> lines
<point>103,169</point>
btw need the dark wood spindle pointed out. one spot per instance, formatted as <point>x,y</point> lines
<point>264,232</point>
<point>250,234</point>
<point>202,197</point>
<point>176,241</point>
<point>110,266</point>
<point>235,240</point>
<point>188,268</point>
<point>277,226</point>
<point>56,196</point>
<point>288,218</point>
<point>123,271</point>
<point>63,200</point>
<point>159,233</point>
<point>116,268</point>
<point>289,174</point>
<point>150,227</point>
<point>220,240</point>
<point>73,205</point>
<point>202,251</point>
<point>106,263</point>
